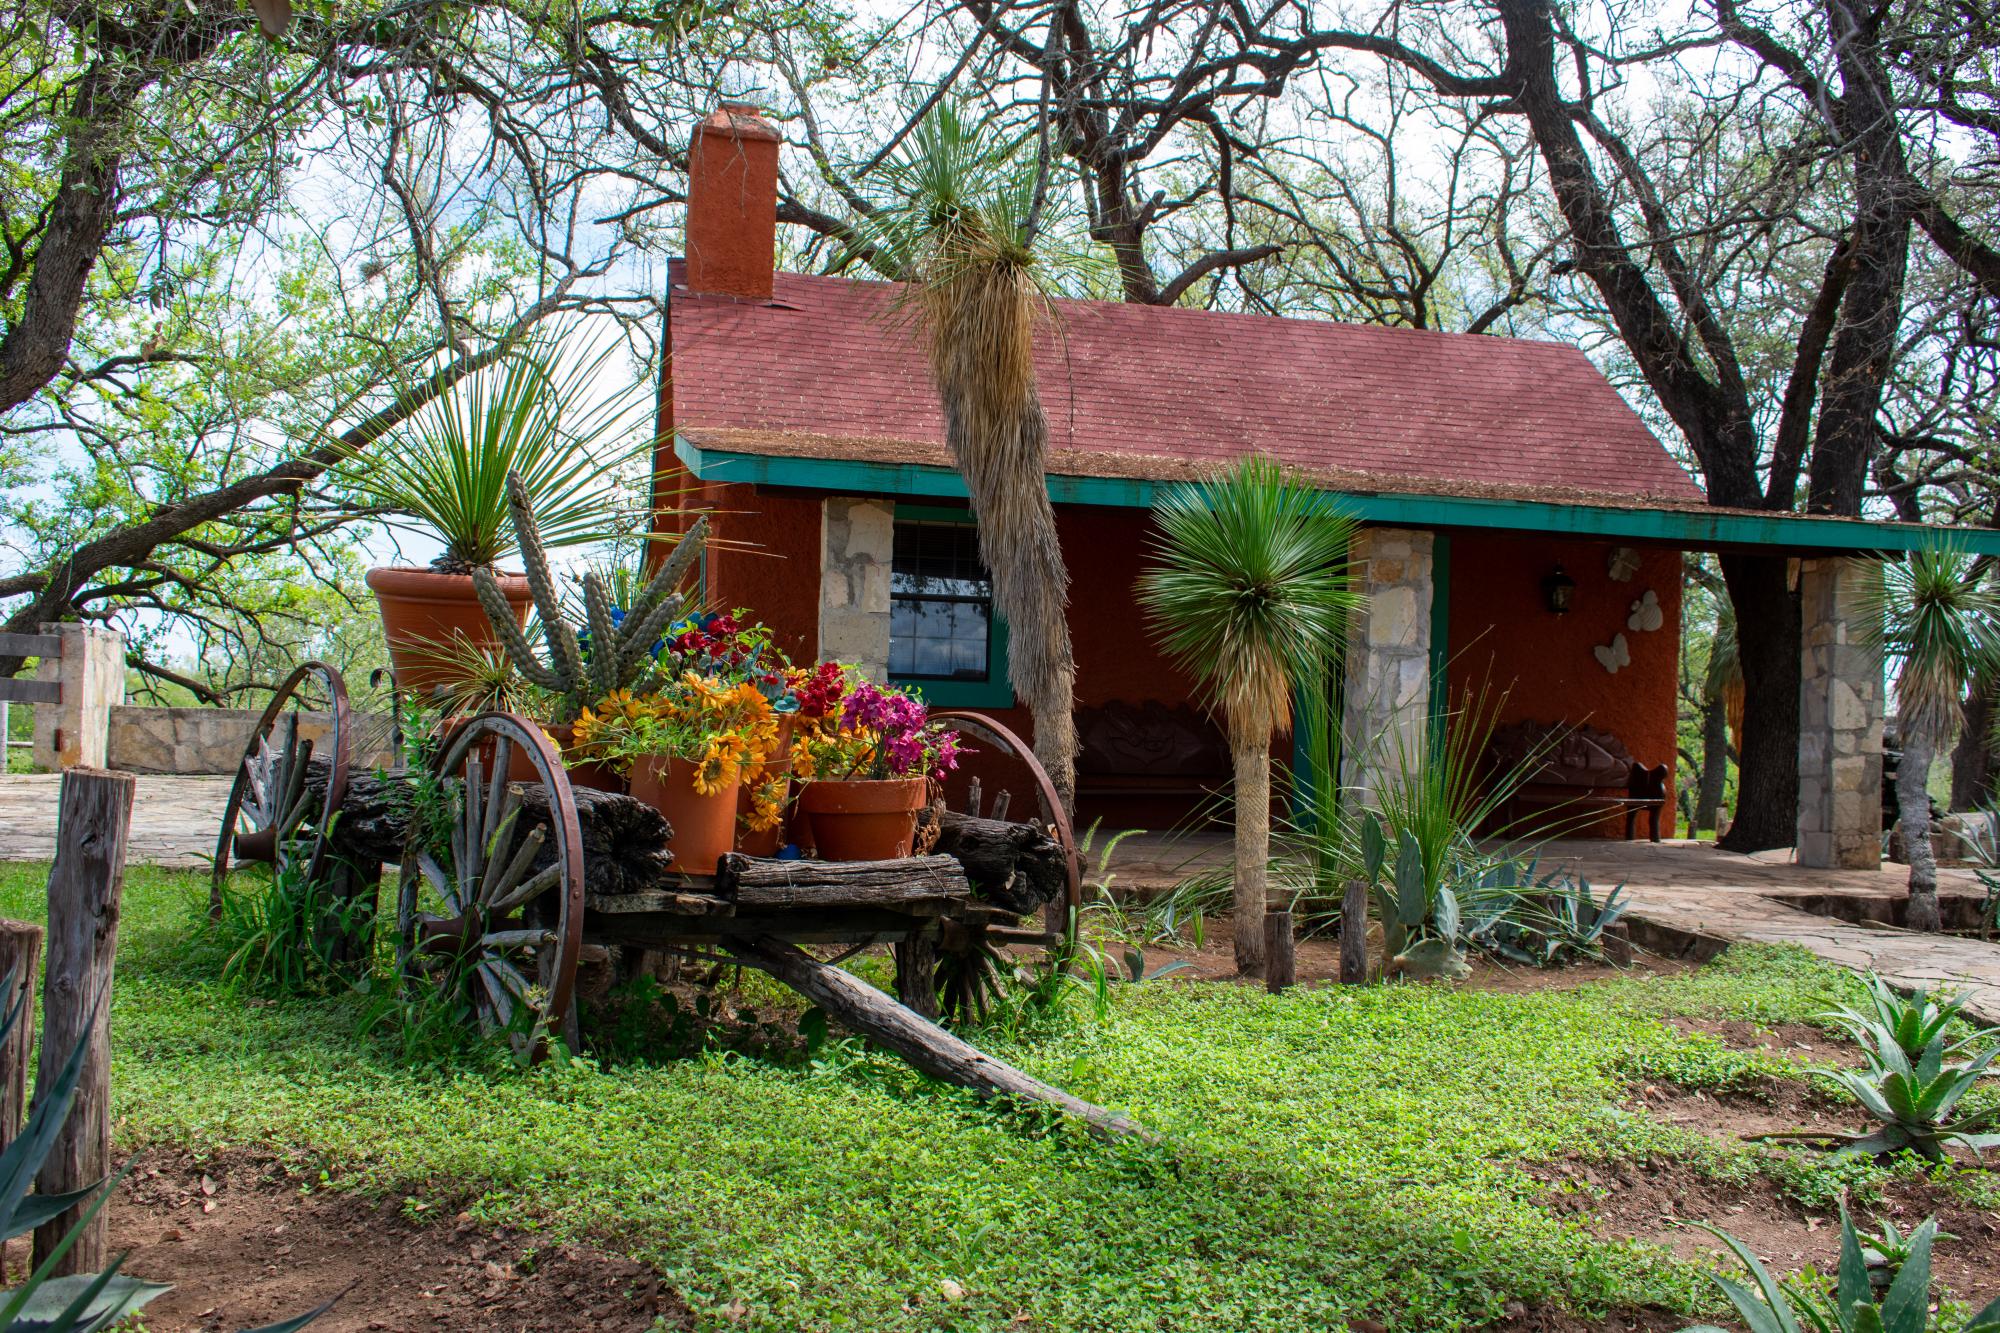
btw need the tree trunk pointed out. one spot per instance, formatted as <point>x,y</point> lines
<point>1252,756</point>
<point>1913,802</point>
<point>1714,763</point>
<point>1972,757</point>
<point>1767,637</point>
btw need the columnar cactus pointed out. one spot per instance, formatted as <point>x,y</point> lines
<point>620,651</point>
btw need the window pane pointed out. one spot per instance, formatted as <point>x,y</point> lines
<point>941,608</point>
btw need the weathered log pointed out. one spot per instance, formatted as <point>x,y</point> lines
<point>85,885</point>
<point>1281,964</point>
<point>626,843</point>
<point>20,961</point>
<point>756,883</point>
<point>1018,867</point>
<point>926,1046</point>
<point>1354,933</point>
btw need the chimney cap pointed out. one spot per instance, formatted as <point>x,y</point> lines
<point>740,120</point>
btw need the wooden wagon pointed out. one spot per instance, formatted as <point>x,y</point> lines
<point>512,883</point>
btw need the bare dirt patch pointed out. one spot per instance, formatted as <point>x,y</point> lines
<point>243,1246</point>
<point>1657,1201</point>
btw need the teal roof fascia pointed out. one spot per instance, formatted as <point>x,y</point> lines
<point>1689,528</point>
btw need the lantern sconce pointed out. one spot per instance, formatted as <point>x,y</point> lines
<point>1557,589</point>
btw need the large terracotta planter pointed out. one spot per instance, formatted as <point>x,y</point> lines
<point>862,820</point>
<point>704,826</point>
<point>423,611</point>
<point>766,842</point>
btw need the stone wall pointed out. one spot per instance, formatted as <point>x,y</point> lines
<point>1386,700</point>
<point>857,545</point>
<point>212,740</point>
<point>1841,699</point>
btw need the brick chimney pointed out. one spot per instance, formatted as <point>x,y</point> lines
<point>732,209</point>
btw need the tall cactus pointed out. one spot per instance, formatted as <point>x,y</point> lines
<point>620,653</point>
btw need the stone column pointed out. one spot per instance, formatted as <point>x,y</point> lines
<point>1840,715</point>
<point>857,545</point>
<point>91,671</point>
<point>1385,702</point>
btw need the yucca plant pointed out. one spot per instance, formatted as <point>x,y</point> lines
<point>965,214</point>
<point>531,414</point>
<point>1853,1305</point>
<point>1940,623</point>
<point>1249,593</point>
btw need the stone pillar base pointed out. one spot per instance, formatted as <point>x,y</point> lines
<point>1841,700</point>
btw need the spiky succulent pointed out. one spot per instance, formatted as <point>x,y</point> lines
<point>620,650</point>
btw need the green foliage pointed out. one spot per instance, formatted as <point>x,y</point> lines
<point>1941,620</point>
<point>614,651</point>
<point>1912,1083</point>
<point>1249,593</point>
<point>1854,1305</point>
<point>276,931</point>
<point>1397,1129</point>
<point>530,416</point>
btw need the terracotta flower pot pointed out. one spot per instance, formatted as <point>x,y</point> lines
<point>704,826</point>
<point>766,842</point>
<point>423,610</point>
<point>860,820</point>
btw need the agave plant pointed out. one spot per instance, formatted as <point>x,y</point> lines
<point>1914,1079</point>
<point>1853,1306</point>
<point>81,1302</point>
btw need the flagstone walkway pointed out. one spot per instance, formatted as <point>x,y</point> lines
<point>1684,895</point>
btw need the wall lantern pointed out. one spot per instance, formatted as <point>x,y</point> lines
<point>1557,588</point>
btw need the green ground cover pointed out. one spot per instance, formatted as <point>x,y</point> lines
<point>1334,1151</point>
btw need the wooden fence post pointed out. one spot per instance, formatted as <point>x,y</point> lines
<point>21,955</point>
<point>1354,934</point>
<point>93,823</point>
<point>1281,963</point>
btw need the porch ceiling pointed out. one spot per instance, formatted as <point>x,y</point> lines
<point>911,469</point>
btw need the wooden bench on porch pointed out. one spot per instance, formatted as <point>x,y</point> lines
<point>1149,749</point>
<point>1576,769</point>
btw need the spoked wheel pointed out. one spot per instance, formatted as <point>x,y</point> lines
<point>272,815</point>
<point>1006,782</point>
<point>489,906</point>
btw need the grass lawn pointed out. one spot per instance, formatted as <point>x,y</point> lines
<point>1334,1152</point>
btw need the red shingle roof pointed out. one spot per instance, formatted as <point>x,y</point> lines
<point>833,358</point>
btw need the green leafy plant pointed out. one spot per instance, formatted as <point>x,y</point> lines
<point>615,651</point>
<point>529,416</point>
<point>1854,1305</point>
<point>278,932</point>
<point>1916,1076</point>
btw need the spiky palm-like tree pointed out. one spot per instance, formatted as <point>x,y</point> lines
<point>963,217</point>
<point>1940,623</point>
<point>1250,595</point>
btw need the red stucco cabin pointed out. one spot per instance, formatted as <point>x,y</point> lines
<point>1524,530</point>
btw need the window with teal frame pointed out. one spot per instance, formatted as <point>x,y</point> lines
<point>946,639</point>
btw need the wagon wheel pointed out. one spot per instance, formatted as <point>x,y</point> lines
<point>271,815</point>
<point>495,914</point>
<point>971,966</point>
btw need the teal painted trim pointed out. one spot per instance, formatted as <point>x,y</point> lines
<point>994,691</point>
<point>1440,621</point>
<point>1688,528</point>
